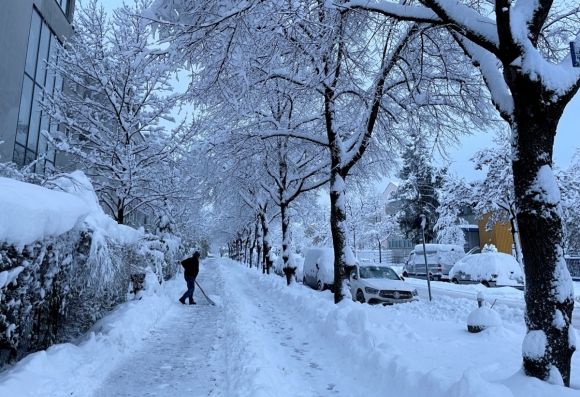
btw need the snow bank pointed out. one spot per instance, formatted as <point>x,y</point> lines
<point>77,184</point>
<point>415,349</point>
<point>68,369</point>
<point>30,212</point>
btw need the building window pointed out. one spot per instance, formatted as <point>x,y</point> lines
<point>64,4</point>
<point>30,144</point>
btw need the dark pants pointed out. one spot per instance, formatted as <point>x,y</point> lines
<point>190,280</point>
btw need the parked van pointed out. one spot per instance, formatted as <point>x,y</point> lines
<point>318,270</point>
<point>440,260</point>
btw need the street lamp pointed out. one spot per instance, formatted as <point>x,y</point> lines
<point>423,225</point>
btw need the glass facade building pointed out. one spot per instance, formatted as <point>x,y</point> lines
<point>30,31</point>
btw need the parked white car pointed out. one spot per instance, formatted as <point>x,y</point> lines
<point>379,285</point>
<point>440,260</point>
<point>492,269</point>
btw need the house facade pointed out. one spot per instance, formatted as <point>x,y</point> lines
<point>30,30</point>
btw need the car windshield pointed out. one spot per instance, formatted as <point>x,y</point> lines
<point>378,272</point>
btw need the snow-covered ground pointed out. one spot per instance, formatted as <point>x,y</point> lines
<point>266,339</point>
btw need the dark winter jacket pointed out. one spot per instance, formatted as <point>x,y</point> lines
<point>191,266</point>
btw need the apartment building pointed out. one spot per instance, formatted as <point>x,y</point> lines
<point>29,31</point>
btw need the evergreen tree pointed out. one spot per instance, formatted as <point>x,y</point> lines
<point>418,190</point>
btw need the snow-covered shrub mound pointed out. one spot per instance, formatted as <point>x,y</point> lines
<point>77,184</point>
<point>64,263</point>
<point>482,318</point>
<point>30,212</point>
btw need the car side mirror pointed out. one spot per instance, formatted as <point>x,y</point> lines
<point>354,277</point>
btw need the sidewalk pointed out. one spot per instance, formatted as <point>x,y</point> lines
<point>178,357</point>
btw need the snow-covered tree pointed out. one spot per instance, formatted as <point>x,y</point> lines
<point>494,195</point>
<point>117,92</point>
<point>418,190</point>
<point>449,226</point>
<point>362,73</point>
<point>521,49</point>
<point>377,226</point>
<point>569,183</point>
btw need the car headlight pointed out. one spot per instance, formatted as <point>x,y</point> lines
<point>370,290</point>
<point>415,293</point>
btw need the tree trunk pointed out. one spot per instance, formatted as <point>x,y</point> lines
<point>287,269</point>
<point>547,348</point>
<point>339,233</point>
<point>380,252</point>
<point>254,243</point>
<point>259,239</point>
<point>120,214</point>
<point>266,243</point>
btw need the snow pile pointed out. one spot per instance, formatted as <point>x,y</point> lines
<point>77,184</point>
<point>30,212</point>
<point>415,349</point>
<point>497,266</point>
<point>279,340</point>
<point>81,368</point>
<point>483,317</point>
<point>72,263</point>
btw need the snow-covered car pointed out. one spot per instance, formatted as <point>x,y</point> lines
<point>318,268</point>
<point>492,269</point>
<point>379,285</point>
<point>440,260</point>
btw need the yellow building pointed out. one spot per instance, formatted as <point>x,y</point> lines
<point>500,235</point>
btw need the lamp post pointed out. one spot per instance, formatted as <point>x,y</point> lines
<point>423,225</point>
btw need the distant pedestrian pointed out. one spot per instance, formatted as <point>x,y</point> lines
<point>191,266</point>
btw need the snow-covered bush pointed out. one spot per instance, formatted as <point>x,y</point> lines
<point>64,263</point>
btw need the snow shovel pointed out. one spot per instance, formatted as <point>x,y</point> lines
<point>206,297</point>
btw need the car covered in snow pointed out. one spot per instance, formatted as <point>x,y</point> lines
<point>318,268</point>
<point>492,269</point>
<point>440,260</point>
<point>375,284</point>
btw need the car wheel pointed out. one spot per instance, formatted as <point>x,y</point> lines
<point>455,281</point>
<point>360,296</point>
<point>320,286</point>
<point>405,274</point>
<point>485,283</point>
